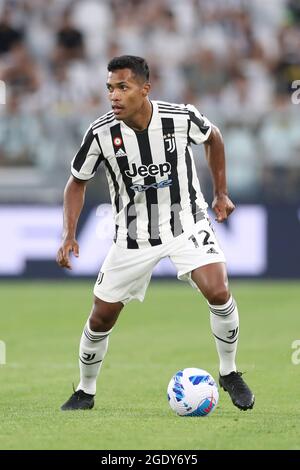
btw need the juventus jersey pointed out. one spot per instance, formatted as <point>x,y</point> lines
<point>154,188</point>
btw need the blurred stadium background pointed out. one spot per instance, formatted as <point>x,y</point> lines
<point>237,61</point>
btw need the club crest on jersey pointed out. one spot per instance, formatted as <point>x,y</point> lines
<point>170,141</point>
<point>118,141</point>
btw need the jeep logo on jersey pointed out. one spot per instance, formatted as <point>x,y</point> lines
<point>170,140</point>
<point>150,170</point>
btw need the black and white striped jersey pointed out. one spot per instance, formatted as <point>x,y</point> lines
<point>154,188</point>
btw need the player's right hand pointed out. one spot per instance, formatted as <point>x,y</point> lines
<point>63,254</point>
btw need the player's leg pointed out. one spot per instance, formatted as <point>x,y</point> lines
<point>124,276</point>
<point>212,281</point>
<point>94,342</point>
<point>92,350</point>
<point>199,260</point>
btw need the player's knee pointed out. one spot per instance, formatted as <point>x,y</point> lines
<point>218,296</point>
<point>99,324</point>
<point>104,315</point>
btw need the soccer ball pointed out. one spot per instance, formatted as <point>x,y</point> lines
<point>193,392</point>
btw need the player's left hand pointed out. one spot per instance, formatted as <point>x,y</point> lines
<point>222,207</point>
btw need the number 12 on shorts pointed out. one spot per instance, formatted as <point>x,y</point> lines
<point>205,239</point>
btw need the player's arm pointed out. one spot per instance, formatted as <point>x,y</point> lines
<point>83,167</point>
<point>74,195</point>
<point>215,155</point>
<point>200,131</point>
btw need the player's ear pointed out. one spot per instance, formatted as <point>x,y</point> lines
<point>146,88</point>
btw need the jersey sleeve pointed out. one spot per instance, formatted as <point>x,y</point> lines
<point>199,126</point>
<point>86,161</point>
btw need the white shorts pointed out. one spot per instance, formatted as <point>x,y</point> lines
<point>126,273</point>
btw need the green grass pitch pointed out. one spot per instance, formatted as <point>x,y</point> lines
<point>41,324</point>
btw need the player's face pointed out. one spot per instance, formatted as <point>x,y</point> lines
<point>126,93</point>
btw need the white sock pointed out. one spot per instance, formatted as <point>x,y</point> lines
<point>92,350</point>
<point>224,321</point>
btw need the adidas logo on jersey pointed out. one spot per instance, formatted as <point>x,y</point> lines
<point>150,170</point>
<point>121,153</point>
